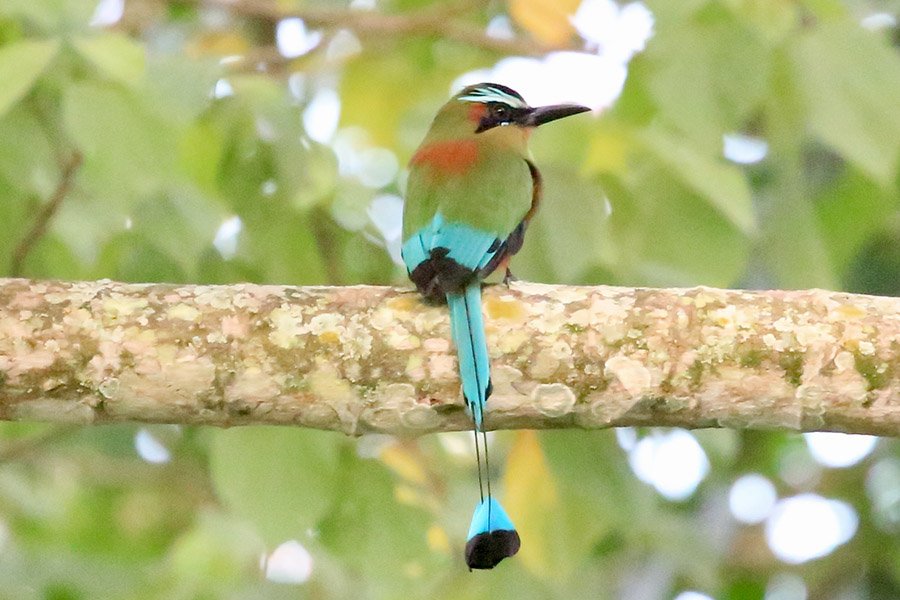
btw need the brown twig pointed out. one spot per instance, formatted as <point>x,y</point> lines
<point>438,23</point>
<point>41,222</point>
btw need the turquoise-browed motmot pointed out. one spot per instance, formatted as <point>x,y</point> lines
<point>471,193</point>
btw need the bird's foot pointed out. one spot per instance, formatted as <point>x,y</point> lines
<point>509,277</point>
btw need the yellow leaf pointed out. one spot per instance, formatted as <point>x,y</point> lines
<point>219,43</point>
<point>533,503</point>
<point>438,540</point>
<point>547,20</point>
<point>609,150</point>
<point>406,463</point>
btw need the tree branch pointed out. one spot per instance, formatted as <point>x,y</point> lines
<point>442,22</point>
<point>363,359</point>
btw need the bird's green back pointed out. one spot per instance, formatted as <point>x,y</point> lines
<point>493,196</point>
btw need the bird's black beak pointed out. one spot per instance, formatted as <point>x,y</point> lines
<point>545,114</point>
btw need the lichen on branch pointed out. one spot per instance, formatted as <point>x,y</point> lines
<point>364,359</point>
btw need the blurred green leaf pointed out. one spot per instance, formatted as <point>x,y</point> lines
<point>281,479</point>
<point>21,63</point>
<point>30,163</point>
<point>665,234</point>
<point>578,209</point>
<point>773,21</point>
<point>181,223</point>
<point>52,16</point>
<point>126,150</point>
<point>284,245</point>
<point>200,153</point>
<point>605,487</point>
<point>715,83</point>
<point>794,247</point>
<point>213,269</point>
<point>262,155</point>
<point>372,532</point>
<point>378,109</point>
<point>849,211</point>
<point>364,262</point>
<point>876,269</point>
<point>52,258</point>
<point>307,170</point>
<point>210,560</point>
<point>14,213</point>
<point>117,56</point>
<point>10,30</point>
<point>722,184</point>
<point>553,543</point>
<point>179,90</point>
<point>851,82</point>
<point>130,257</point>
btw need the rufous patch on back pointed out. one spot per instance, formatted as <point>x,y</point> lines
<point>451,157</point>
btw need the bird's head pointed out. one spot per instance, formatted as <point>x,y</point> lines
<point>487,106</point>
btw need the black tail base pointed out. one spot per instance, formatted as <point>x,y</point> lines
<point>486,550</point>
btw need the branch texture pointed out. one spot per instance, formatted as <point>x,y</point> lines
<point>366,359</point>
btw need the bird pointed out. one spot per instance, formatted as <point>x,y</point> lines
<point>471,193</point>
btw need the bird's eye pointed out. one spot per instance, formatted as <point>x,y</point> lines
<point>499,112</point>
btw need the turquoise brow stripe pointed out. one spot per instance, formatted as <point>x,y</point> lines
<point>492,95</point>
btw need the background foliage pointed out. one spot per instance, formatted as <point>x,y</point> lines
<point>127,144</point>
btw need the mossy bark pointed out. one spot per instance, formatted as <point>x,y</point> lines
<point>363,359</point>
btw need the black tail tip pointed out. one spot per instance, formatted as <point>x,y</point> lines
<point>486,550</point>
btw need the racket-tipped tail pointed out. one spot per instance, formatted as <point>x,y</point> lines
<point>492,536</point>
